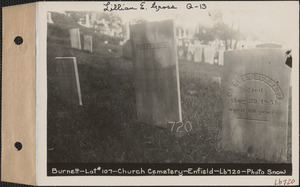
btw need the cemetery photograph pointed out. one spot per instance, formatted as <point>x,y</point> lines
<point>171,88</point>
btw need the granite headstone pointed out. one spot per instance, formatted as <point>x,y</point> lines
<point>198,54</point>
<point>156,73</point>
<point>75,38</point>
<point>255,103</point>
<point>88,43</point>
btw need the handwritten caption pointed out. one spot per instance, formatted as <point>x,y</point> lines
<point>156,6</point>
<point>284,182</point>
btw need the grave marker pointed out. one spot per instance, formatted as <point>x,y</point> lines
<point>156,73</point>
<point>198,54</point>
<point>75,38</point>
<point>209,54</point>
<point>255,103</point>
<point>221,57</point>
<point>68,79</point>
<point>87,20</point>
<point>88,43</point>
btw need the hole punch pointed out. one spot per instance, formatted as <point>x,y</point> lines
<point>18,146</point>
<point>18,40</point>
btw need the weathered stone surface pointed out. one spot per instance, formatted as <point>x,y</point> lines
<point>156,73</point>
<point>255,103</point>
<point>88,43</point>
<point>75,38</point>
<point>209,54</point>
<point>198,54</point>
<point>68,79</point>
<point>221,57</point>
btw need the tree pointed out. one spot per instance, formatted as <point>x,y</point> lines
<point>220,31</point>
<point>77,15</point>
<point>205,34</point>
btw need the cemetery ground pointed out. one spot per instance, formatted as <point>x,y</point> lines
<point>105,129</point>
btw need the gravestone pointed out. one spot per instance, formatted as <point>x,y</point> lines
<point>87,20</point>
<point>75,38</point>
<point>68,79</point>
<point>209,54</point>
<point>198,54</point>
<point>221,57</point>
<point>255,103</point>
<point>88,43</point>
<point>156,73</point>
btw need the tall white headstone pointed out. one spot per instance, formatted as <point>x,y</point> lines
<point>198,54</point>
<point>209,54</point>
<point>87,20</point>
<point>221,57</point>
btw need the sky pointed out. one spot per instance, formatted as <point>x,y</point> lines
<point>269,21</point>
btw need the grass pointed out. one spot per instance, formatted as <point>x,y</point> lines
<point>105,129</point>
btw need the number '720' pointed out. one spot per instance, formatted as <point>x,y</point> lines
<point>179,125</point>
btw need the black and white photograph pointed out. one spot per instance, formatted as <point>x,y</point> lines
<point>188,84</point>
<point>150,93</point>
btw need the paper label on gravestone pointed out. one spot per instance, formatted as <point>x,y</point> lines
<point>255,103</point>
<point>156,73</point>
